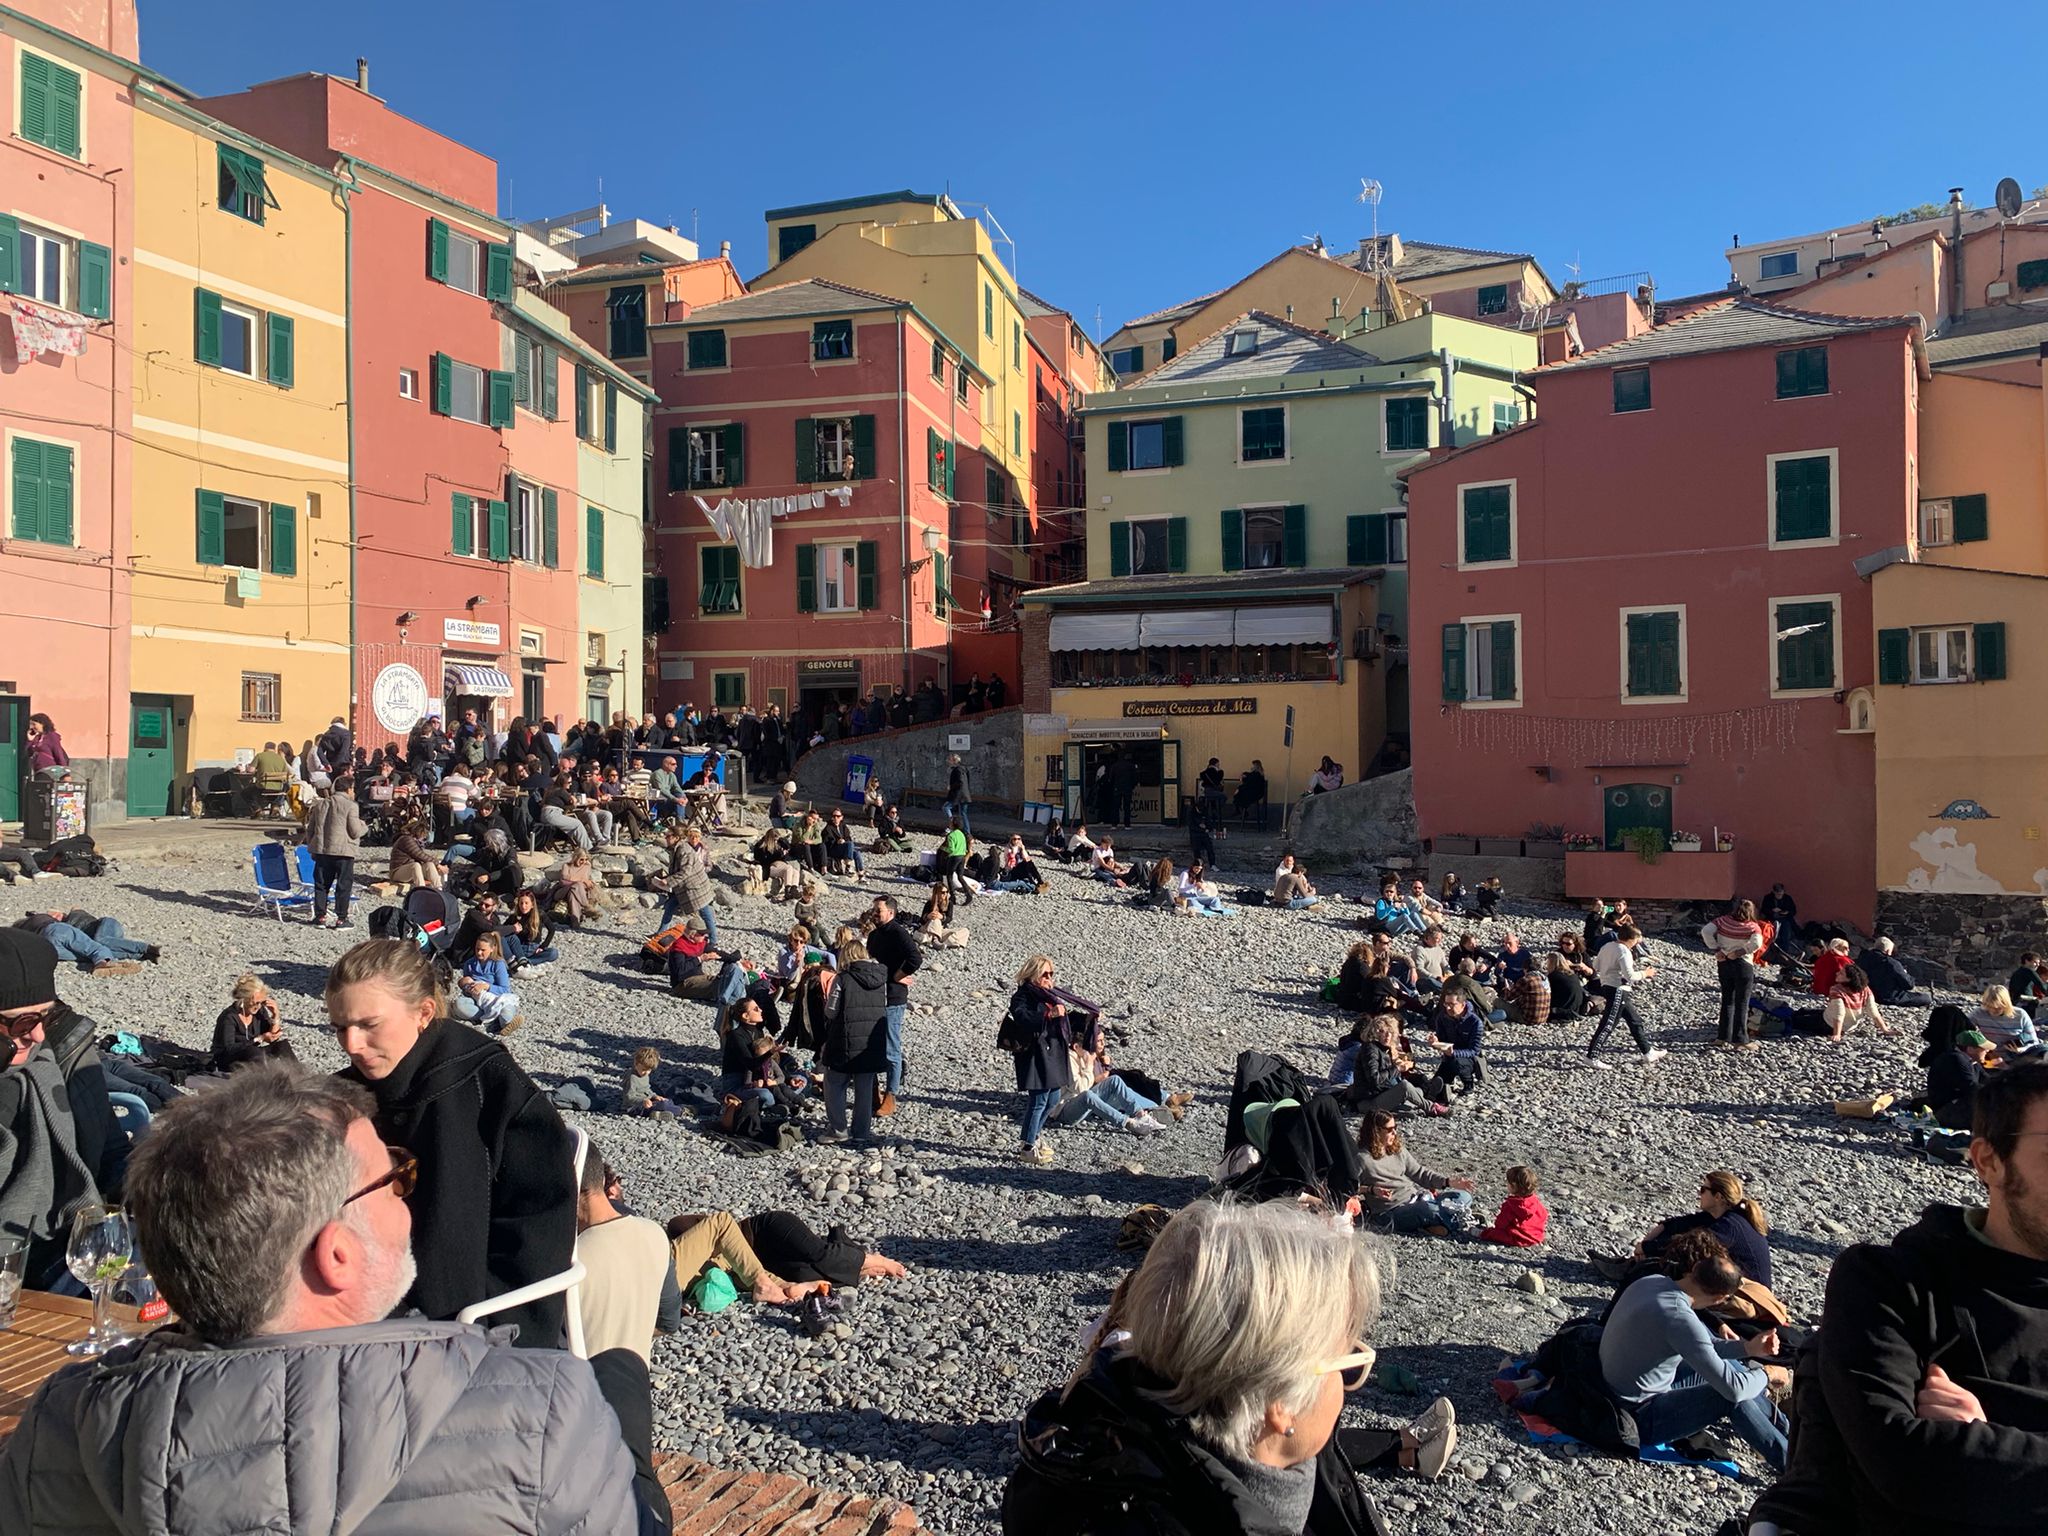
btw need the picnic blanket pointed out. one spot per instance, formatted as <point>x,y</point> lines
<point>1542,1432</point>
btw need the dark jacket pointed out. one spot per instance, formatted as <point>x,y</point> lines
<point>1373,1071</point>
<point>496,1204</point>
<point>1889,979</point>
<point>855,1040</point>
<point>1042,1037</point>
<point>231,1035</point>
<point>336,749</point>
<point>1952,1083</point>
<point>956,787</point>
<point>895,945</point>
<point>1861,1460</point>
<point>474,926</point>
<point>101,1145</point>
<point>1745,1245</point>
<point>1100,1458</point>
<point>789,1249</point>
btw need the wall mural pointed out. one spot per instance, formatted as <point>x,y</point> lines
<point>1954,865</point>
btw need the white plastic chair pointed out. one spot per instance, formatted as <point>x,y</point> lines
<point>569,1281</point>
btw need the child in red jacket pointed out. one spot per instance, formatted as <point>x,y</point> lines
<point>1523,1217</point>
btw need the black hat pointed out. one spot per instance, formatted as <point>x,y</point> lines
<point>28,969</point>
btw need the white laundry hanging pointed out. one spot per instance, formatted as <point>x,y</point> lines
<point>749,522</point>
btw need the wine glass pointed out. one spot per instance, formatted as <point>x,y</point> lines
<point>101,1249</point>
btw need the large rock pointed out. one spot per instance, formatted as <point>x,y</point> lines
<point>1369,825</point>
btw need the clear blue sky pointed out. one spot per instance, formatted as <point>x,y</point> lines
<point>1141,153</point>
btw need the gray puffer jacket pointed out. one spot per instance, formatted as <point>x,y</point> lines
<point>334,827</point>
<point>393,1427</point>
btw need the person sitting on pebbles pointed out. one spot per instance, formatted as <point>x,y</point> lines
<point>1851,1001</point>
<point>1402,1195</point>
<point>1291,888</point>
<point>1726,1210</point>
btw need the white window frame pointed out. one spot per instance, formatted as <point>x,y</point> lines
<point>1117,352</point>
<point>65,249</point>
<point>1514,527</point>
<point>1941,675</point>
<point>840,555</point>
<point>1241,343</point>
<point>1286,435</point>
<point>1387,450</point>
<point>475,247</point>
<point>479,529</point>
<point>7,441</point>
<point>262,512</point>
<point>85,80</point>
<point>459,371</point>
<point>527,536</point>
<point>839,466</point>
<point>1485,621</point>
<point>1771,607</point>
<point>1165,526</point>
<point>1397,533</point>
<point>1499,404</point>
<point>593,407</point>
<point>707,448</point>
<point>408,383</point>
<point>1684,693</point>
<point>1771,539</point>
<point>255,354</point>
<point>1944,520</point>
<point>1278,511</point>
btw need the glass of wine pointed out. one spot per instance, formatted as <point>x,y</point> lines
<point>101,1249</point>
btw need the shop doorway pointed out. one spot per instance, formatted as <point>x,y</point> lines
<point>1090,768</point>
<point>152,753</point>
<point>1636,805</point>
<point>814,702</point>
<point>13,733</point>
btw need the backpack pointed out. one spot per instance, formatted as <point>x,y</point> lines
<point>654,953</point>
<point>741,1116</point>
<point>72,856</point>
<point>1328,991</point>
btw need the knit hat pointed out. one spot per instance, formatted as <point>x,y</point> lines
<point>1972,1037</point>
<point>28,969</point>
<point>789,788</point>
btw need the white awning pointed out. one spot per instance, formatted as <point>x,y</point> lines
<point>1301,624</point>
<point>1187,626</point>
<point>1094,632</point>
<point>464,681</point>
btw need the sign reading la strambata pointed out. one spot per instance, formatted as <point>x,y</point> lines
<point>1150,709</point>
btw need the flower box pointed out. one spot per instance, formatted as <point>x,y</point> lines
<point>1685,845</point>
<point>1500,847</point>
<point>1461,847</point>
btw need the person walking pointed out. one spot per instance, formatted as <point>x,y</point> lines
<point>958,795</point>
<point>334,831</point>
<point>1123,784</point>
<point>1615,965</point>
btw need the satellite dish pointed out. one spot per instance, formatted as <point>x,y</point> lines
<point>2008,198</point>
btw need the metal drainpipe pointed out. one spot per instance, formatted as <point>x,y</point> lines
<point>1449,408</point>
<point>348,344</point>
<point>903,490</point>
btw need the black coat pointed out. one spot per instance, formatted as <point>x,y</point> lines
<point>231,1035</point>
<point>895,945</point>
<point>1103,1459</point>
<point>789,1249</point>
<point>1952,1083</point>
<point>855,1039</point>
<point>1042,1062</point>
<point>495,1208</point>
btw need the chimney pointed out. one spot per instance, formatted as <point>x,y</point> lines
<point>363,76</point>
<point>1290,314</point>
<point>725,249</point>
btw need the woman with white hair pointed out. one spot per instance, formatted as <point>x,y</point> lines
<point>1212,1404</point>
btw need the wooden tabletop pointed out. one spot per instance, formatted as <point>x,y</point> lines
<point>33,1348</point>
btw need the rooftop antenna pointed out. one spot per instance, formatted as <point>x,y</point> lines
<point>693,226</point>
<point>1376,264</point>
<point>1370,192</point>
<point>1098,325</point>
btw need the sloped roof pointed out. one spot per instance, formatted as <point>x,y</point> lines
<point>1993,333</point>
<point>1269,583</point>
<point>1177,311</point>
<point>814,295</point>
<point>1726,327</point>
<point>1282,348</point>
<point>1420,258</point>
<point>630,271</point>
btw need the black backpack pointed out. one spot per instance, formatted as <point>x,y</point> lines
<point>72,856</point>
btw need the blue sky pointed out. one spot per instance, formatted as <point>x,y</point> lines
<point>1142,153</point>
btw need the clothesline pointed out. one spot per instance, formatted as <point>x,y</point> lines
<point>749,522</point>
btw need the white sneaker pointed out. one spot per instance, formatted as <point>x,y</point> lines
<point>1144,1125</point>
<point>1657,1054</point>
<point>1598,1065</point>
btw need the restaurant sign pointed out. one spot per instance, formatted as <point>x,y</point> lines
<point>1153,709</point>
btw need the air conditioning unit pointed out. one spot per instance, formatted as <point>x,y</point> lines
<point>1369,643</point>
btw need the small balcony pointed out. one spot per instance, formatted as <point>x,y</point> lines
<point>1674,877</point>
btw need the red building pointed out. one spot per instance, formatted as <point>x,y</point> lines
<point>858,405</point>
<point>1644,609</point>
<point>469,398</point>
<point>1066,369</point>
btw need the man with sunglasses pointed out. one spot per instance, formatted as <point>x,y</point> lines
<point>285,1398</point>
<point>60,1145</point>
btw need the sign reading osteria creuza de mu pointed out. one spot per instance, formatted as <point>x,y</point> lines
<point>1146,709</point>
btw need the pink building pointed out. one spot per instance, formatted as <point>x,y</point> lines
<point>66,209</point>
<point>1645,608</point>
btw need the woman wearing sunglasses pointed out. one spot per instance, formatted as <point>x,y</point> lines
<point>494,1207</point>
<point>1211,1404</point>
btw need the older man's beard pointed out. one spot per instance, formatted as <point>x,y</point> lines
<point>392,1272</point>
<point>2025,1213</point>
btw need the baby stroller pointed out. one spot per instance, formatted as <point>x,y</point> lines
<point>429,919</point>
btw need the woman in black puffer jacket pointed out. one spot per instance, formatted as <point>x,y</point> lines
<point>856,1039</point>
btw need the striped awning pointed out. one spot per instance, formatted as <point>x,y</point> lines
<point>470,682</point>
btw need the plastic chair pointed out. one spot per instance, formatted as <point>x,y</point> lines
<point>569,1281</point>
<point>275,886</point>
<point>303,879</point>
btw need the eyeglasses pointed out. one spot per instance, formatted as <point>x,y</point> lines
<point>403,1178</point>
<point>20,1025</point>
<point>1352,1368</point>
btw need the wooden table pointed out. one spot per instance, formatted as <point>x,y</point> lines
<point>32,1350</point>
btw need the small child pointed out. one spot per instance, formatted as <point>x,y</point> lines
<point>789,960</point>
<point>772,1071</point>
<point>1488,895</point>
<point>1523,1218</point>
<point>637,1096</point>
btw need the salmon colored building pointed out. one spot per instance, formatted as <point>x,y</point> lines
<point>67,197</point>
<point>812,391</point>
<point>1644,610</point>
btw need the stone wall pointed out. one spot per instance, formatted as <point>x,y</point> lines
<point>1367,825</point>
<point>1538,879</point>
<point>1967,940</point>
<point>915,758</point>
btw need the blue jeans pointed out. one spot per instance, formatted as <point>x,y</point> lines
<point>490,1008</point>
<point>959,814</point>
<point>1210,906</point>
<point>1691,1405</point>
<point>673,908</point>
<point>1443,1208</point>
<point>458,850</point>
<point>131,1111</point>
<point>1296,903</point>
<point>1112,1100</point>
<point>850,851</point>
<point>517,948</point>
<point>892,1024</point>
<point>1038,1103</point>
<point>736,1082</point>
<point>106,944</point>
<point>1403,922</point>
<point>863,1084</point>
<point>1011,887</point>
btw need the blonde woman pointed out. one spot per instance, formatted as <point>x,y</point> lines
<point>2003,1022</point>
<point>248,1029</point>
<point>1729,1212</point>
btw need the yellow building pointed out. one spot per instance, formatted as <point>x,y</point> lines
<point>241,544</point>
<point>922,249</point>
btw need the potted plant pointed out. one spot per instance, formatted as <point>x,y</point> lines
<point>1456,843</point>
<point>1724,843</point>
<point>1646,843</point>
<point>1581,842</point>
<point>1544,840</point>
<point>1685,842</point>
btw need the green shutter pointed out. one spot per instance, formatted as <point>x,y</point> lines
<point>1233,538</point>
<point>280,361</point>
<point>462,528</point>
<point>284,539</point>
<point>952,466</point>
<point>735,453</point>
<point>1119,445</point>
<point>1176,544</point>
<point>550,529</point>
<point>1488,518</point>
<point>50,104</point>
<point>611,417</point>
<point>942,587</point>
<point>206,327</point>
<point>934,462</point>
<point>501,531</point>
<point>583,402</point>
<point>57,495</point>
<point>10,253</point>
<point>1119,549</point>
<point>500,384</point>
<point>213,529</point>
<point>1171,436</point>
<point>437,250</point>
<point>865,579</point>
<point>444,384</point>
<point>707,349</point>
<point>1806,660</point>
<point>1973,519</point>
<point>678,458</point>
<point>27,499</point>
<point>522,372</point>
<point>1294,536</point>
<point>1803,508</point>
<point>1989,645</point>
<point>1503,637</point>
<point>95,280</point>
<point>1454,663</point>
<point>806,450</point>
<point>593,542</point>
<point>1894,655</point>
<point>1653,665</point>
<point>863,447</point>
<point>807,578</point>
<point>498,273</point>
<point>550,385</point>
<point>1365,539</point>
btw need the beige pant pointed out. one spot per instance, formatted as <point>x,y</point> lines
<point>1288,887</point>
<point>416,874</point>
<point>715,1238</point>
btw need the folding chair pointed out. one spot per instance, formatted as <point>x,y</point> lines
<point>303,879</point>
<point>569,1281</point>
<point>275,886</point>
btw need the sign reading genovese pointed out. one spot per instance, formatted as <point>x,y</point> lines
<point>1148,709</point>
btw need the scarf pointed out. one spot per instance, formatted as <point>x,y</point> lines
<point>1288,1493</point>
<point>46,1180</point>
<point>1736,928</point>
